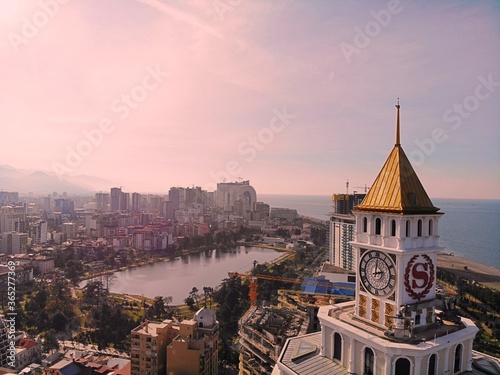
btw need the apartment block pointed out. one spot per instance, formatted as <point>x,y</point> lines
<point>194,351</point>
<point>149,347</point>
<point>14,243</point>
<point>13,218</point>
<point>189,347</point>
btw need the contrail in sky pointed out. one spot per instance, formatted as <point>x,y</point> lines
<point>182,16</point>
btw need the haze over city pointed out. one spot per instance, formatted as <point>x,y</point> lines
<point>295,96</point>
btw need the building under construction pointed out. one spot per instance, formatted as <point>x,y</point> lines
<point>264,330</point>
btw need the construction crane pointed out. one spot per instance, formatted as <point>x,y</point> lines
<point>365,188</point>
<point>253,282</point>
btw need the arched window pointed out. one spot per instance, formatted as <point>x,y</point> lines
<point>431,224</point>
<point>393,228</point>
<point>403,366</point>
<point>432,365</point>
<point>365,225</point>
<point>378,226</point>
<point>417,319</point>
<point>337,346</point>
<point>369,362</point>
<point>419,228</point>
<point>458,359</point>
<point>408,227</point>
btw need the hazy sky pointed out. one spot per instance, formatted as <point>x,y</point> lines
<point>296,96</point>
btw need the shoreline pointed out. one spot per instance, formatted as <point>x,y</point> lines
<point>284,253</point>
<point>484,274</point>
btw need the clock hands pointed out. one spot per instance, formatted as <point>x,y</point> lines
<point>377,272</point>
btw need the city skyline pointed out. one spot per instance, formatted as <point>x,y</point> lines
<point>295,97</point>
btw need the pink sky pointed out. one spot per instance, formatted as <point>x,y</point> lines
<point>287,94</point>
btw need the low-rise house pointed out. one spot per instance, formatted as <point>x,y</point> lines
<point>27,352</point>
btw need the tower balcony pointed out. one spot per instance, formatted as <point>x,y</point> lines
<point>404,243</point>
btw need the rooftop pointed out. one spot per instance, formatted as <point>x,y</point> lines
<point>397,188</point>
<point>419,336</point>
<point>150,327</point>
<point>302,355</point>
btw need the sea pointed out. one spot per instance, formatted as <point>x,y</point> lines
<point>469,228</point>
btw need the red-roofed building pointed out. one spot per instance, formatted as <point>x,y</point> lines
<point>27,352</point>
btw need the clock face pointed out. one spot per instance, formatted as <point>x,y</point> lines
<point>377,273</point>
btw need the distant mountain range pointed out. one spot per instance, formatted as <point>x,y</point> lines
<point>37,182</point>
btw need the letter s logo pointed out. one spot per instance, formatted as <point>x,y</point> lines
<point>420,275</point>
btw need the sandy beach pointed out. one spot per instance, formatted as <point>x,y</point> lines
<point>482,273</point>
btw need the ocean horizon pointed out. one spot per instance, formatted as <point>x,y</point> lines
<point>468,228</point>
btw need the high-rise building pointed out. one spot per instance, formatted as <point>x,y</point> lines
<point>14,243</point>
<point>194,351</point>
<point>136,202</point>
<point>4,342</point>
<point>102,201</point>
<point>39,232</point>
<point>194,195</point>
<point>392,327</point>
<point>261,211</point>
<point>124,201</point>
<point>69,230</point>
<point>115,196</point>
<point>168,211</point>
<point>229,192</point>
<point>342,230</point>
<point>188,347</point>
<point>64,206</point>
<point>7,197</point>
<point>344,203</point>
<point>149,347</point>
<point>13,219</point>
<point>155,202</point>
<point>47,203</point>
<point>241,207</point>
<point>177,196</point>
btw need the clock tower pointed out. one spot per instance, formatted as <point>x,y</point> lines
<point>397,325</point>
<point>397,245</point>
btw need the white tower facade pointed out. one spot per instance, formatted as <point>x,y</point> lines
<point>394,326</point>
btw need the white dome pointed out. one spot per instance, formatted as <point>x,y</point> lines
<point>205,318</point>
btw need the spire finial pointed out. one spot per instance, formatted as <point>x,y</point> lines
<point>397,126</point>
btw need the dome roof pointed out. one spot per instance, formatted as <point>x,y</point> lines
<point>205,317</point>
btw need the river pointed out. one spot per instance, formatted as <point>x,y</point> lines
<point>177,277</point>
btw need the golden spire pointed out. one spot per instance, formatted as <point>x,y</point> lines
<point>397,189</point>
<point>398,143</point>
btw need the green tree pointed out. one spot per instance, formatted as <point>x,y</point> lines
<point>208,293</point>
<point>73,269</point>
<point>60,298</point>
<point>194,295</point>
<point>59,321</point>
<point>94,293</point>
<point>189,301</point>
<point>158,309</point>
<point>49,341</point>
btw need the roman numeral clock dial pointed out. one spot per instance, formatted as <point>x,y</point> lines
<point>377,273</point>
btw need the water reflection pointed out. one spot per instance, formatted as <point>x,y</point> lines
<point>178,276</point>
